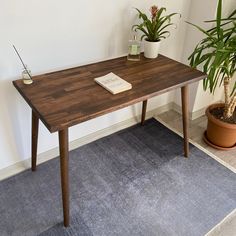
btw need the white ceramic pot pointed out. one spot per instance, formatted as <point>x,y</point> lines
<point>151,49</point>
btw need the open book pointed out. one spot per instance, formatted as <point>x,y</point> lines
<point>113,83</point>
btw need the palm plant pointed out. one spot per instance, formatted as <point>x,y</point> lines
<point>155,28</point>
<point>216,53</point>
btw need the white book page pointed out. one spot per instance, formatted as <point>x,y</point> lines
<point>113,83</point>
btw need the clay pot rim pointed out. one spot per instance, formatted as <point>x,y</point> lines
<point>217,121</point>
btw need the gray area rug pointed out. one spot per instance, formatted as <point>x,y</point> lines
<point>134,182</point>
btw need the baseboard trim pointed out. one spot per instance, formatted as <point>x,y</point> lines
<point>192,115</point>
<point>198,146</point>
<point>50,154</point>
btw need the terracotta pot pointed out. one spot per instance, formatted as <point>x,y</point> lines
<point>151,49</point>
<point>220,133</point>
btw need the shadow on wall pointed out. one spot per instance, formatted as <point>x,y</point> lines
<point>16,139</point>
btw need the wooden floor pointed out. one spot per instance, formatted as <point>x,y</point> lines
<point>197,128</point>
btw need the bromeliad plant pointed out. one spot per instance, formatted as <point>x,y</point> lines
<point>154,29</point>
<point>216,53</point>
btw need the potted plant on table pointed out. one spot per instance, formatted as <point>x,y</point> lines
<point>153,29</point>
<point>216,53</point>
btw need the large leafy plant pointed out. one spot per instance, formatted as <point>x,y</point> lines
<point>216,53</point>
<point>155,28</point>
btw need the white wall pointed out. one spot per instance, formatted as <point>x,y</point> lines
<point>228,6</point>
<point>52,35</point>
<point>200,11</point>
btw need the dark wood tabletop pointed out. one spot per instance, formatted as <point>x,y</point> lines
<point>65,98</point>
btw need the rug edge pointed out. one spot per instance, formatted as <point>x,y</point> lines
<point>198,146</point>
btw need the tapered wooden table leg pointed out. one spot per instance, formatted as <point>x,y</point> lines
<point>185,117</point>
<point>63,143</point>
<point>34,140</point>
<point>144,109</point>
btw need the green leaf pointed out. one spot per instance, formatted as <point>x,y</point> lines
<point>206,65</point>
<point>218,17</point>
<point>161,29</point>
<point>143,36</point>
<point>223,19</point>
<point>142,15</point>
<point>232,14</point>
<point>202,30</point>
<point>159,13</point>
<point>165,32</point>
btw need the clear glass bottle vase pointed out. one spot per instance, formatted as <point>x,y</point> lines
<point>25,75</point>
<point>134,48</point>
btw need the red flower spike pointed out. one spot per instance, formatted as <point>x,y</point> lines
<point>154,9</point>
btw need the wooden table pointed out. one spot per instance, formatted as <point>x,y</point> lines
<point>65,98</point>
